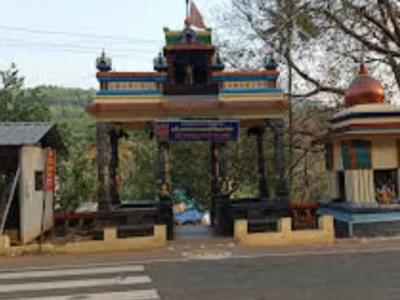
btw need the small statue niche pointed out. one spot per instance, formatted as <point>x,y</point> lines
<point>385,182</point>
<point>190,69</point>
<point>189,37</point>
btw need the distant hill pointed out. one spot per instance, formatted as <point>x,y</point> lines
<point>62,96</point>
<point>68,104</point>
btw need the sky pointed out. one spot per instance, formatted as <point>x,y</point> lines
<point>57,42</point>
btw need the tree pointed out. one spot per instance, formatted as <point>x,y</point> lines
<point>372,27</point>
<point>328,39</point>
<point>18,104</point>
<point>288,20</point>
<point>76,173</point>
<point>280,26</point>
<point>325,63</point>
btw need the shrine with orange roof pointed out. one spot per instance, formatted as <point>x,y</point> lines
<point>363,162</point>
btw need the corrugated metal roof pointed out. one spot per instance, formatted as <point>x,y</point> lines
<point>23,133</point>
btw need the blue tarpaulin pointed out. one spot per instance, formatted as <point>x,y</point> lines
<point>189,216</point>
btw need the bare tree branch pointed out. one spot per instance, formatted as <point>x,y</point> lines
<point>370,45</point>
<point>394,20</point>
<point>319,86</point>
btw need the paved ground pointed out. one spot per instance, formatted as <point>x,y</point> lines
<point>210,271</point>
<point>350,276</point>
<point>118,282</point>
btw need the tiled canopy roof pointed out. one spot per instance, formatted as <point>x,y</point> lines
<point>28,133</point>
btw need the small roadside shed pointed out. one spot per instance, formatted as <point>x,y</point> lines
<point>24,148</point>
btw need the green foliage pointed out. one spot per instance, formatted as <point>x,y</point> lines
<point>77,172</point>
<point>141,182</point>
<point>66,108</point>
<point>77,179</point>
<point>191,170</point>
<point>18,104</point>
<point>242,165</point>
<point>67,97</point>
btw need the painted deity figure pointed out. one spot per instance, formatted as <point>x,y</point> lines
<point>162,131</point>
<point>386,194</point>
<point>189,71</point>
<point>228,187</point>
<point>164,190</point>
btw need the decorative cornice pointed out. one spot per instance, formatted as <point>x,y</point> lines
<point>250,91</point>
<point>128,92</point>
<point>364,115</point>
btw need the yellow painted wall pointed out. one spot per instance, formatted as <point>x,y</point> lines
<point>384,154</point>
<point>129,99</point>
<point>325,234</point>
<point>132,86</point>
<point>255,84</point>
<point>262,97</point>
<point>333,188</point>
<point>360,185</point>
<point>349,185</point>
<point>337,156</point>
<point>32,159</point>
<point>112,243</point>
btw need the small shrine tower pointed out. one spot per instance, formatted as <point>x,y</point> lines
<point>363,155</point>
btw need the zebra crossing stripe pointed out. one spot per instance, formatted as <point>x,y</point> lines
<point>129,295</point>
<point>82,283</point>
<point>70,272</point>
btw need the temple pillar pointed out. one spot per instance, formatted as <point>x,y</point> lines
<point>222,160</point>
<point>282,193</point>
<point>103,163</point>
<point>114,163</point>
<point>166,203</point>
<point>214,179</point>
<point>223,208</point>
<point>262,177</point>
<point>164,168</point>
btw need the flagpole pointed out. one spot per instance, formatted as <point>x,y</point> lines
<point>187,10</point>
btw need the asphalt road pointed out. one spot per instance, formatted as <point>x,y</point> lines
<point>374,275</point>
<point>349,276</point>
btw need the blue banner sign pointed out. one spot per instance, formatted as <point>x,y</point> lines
<point>197,130</point>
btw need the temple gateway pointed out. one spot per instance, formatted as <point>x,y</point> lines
<point>189,97</point>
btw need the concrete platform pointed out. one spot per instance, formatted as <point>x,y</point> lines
<point>351,221</point>
<point>110,243</point>
<point>286,236</point>
<point>194,232</point>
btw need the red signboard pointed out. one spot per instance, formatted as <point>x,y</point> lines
<point>50,173</point>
